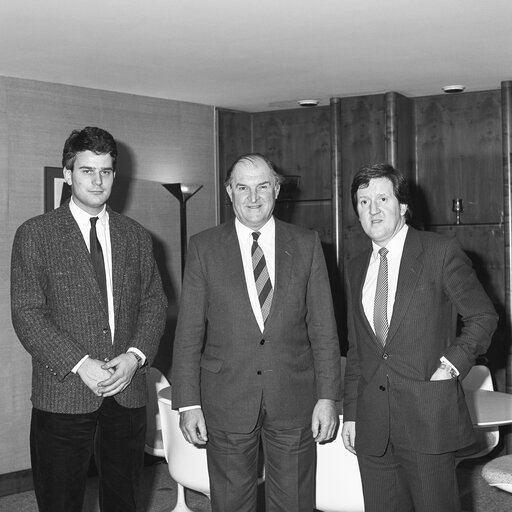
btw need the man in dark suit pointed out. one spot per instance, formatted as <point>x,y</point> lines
<point>404,409</point>
<point>88,306</point>
<point>256,353</point>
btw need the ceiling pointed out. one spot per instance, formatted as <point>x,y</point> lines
<point>258,55</point>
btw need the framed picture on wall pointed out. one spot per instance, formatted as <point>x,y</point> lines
<point>56,190</point>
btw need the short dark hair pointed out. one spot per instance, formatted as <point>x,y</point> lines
<point>91,138</point>
<point>381,170</point>
<point>253,158</point>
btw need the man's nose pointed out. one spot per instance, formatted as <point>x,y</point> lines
<point>254,195</point>
<point>374,208</point>
<point>98,180</point>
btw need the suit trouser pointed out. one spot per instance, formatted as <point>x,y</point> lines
<point>406,480</point>
<point>289,468</point>
<point>61,446</point>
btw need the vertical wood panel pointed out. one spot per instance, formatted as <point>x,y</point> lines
<point>399,134</point>
<point>362,134</point>
<point>506,100</point>
<point>458,156</point>
<point>234,140</point>
<point>337,183</point>
<point>299,143</point>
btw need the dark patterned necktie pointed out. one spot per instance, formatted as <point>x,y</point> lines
<point>380,310</point>
<point>261,277</point>
<point>97,260</point>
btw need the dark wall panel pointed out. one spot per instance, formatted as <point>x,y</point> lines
<point>458,145</point>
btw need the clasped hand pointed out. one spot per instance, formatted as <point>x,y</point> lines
<point>108,378</point>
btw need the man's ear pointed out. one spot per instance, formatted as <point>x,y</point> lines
<point>230,192</point>
<point>67,175</point>
<point>403,209</point>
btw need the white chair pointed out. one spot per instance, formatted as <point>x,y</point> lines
<point>338,482</point>
<point>187,463</point>
<point>498,473</point>
<point>487,438</point>
<point>154,445</point>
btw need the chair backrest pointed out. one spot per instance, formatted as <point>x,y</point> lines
<point>338,482</point>
<point>155,381</point>
<point>187,463</point>
<point>487,438</point>
<point>479,377</point>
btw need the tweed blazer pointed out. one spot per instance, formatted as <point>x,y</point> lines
<point>435,281</point>
<point>57,308</point>
<point>223,362</point>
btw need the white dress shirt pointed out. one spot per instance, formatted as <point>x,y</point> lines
<point>267,242</point>
<point>82,218</point>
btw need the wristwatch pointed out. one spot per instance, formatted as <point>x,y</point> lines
<point>139,359</point>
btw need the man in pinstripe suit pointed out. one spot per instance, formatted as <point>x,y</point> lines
<point>91,338</point>
<point>404,408</point>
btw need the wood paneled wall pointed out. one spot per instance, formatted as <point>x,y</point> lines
<point>159,141</point>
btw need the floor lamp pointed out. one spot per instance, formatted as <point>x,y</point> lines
<point>182,192</point>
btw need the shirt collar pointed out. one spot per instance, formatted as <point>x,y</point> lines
<point>395,245</point>
<point>245,233</point>
<point>82,217</point>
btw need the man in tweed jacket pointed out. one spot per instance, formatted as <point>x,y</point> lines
<point>89,351</point>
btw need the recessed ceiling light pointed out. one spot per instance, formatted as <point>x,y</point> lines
<point>450,89</point>
<point>308,103</point>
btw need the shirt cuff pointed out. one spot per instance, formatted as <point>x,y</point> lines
<point>445,361</point>
<point>139,353</point>
<point>189,408</point>
<point>77,366</point>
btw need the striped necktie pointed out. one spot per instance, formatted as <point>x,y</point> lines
<point>261,277</point>
<point>380,310</point>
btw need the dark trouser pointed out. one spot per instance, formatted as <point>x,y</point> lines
<point>289,468</point>
<point>406,480</point>
<point>61,446</point>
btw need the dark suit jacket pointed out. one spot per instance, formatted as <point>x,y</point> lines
<point>221,359</point>
<point>58,314</point>
<point>435,279</point>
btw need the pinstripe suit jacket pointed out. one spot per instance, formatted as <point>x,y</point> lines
<point>57,310</point>
<point>435,279</point>
<point>223,361</point>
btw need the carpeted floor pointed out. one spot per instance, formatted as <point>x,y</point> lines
<point>158,493</point>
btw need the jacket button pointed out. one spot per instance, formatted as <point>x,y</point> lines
<point>382,388</point>
<point>385,355</point>
<point>262,342</point>
<point>259,372</point>
<point>105,331</point>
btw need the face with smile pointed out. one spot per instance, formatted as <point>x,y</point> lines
<point>253,190</point>
<point>380,213</point>
<point>91,180</point>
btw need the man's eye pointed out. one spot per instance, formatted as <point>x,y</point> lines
<point>106,172</point>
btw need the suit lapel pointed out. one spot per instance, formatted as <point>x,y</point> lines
<point>233,268</point>
<point>284,248</point>
<point>119,247</point>
<point>75,241</point>
<point>410,269</point>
